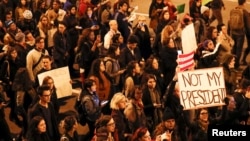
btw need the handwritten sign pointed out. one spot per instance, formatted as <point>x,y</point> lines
<point>202,88</point>
<point>61,78</point>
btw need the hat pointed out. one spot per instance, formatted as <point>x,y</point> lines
<point>8,23</point>
<point>19,36</point>
<point>205,43</point>
<point>27,14</point>
<point>168,114</point>
<point>203,9</point>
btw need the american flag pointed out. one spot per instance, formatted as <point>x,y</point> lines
<point>186,61</point>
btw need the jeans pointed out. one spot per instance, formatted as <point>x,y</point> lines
<point>237,48</point>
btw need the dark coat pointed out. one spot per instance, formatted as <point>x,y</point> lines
<point>144,41</point>
<point>61,47</point>
<point>123,25</point>
<point>121,126</point>
<point>126,56</point>
<point>37,110</point>
<point>168,62</point>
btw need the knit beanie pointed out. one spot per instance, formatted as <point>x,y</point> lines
<point>168,114</point>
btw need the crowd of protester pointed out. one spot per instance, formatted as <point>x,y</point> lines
<point>128,69</point>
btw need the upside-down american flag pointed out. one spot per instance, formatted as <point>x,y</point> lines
<point>186,61</point>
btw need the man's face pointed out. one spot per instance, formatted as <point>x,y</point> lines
<point>113,25</point>
<point>124,7</point>
<point>29,37</point>
<point>55,6</point>
<point>132,45</point>
<point>169,124</point>
<point>40,45</point>
<point>61,28</point>
<point>13,26</point>
<point>46,63</point>
<point>45,97</point>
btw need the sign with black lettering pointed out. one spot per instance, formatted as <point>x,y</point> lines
<point>202,88</point>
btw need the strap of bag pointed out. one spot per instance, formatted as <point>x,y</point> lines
<point>43,53</point>
<point>8,69</point>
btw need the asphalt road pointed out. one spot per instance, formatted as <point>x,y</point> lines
<point>143,5</point>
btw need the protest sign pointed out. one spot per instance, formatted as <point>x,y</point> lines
<point>61,79</point>
<point>188,39</point>
<point>202,88</point>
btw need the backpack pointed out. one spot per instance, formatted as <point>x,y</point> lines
<point>82,113</point>
<point>236,19</point>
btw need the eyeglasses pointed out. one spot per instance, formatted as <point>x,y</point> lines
<point>204,113</point>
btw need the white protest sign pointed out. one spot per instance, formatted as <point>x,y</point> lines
<point>188,39</point>
<point>61,79</point>
<point>202,88</point>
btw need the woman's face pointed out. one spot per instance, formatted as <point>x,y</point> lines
<point>171,43</point>
<point>231,64</point>
<point>210,45</point>
<point>23,2</point>
<point>102,67</point>
<point>111,125</point>
<point>44,21</point>
<point>137,68</point>
<point>146,137</point>
<point>215,33</point>
<point>203,115</point>
<point>13,54</point>
<point>73,10</point>
<point>155,64</point>
<point>122,103</point>
<point>198,3</point>
<point>120,39</point>
<point>166,16</point>
<point>41,126</point>
<point>50,83</point>
<point>43,5</point>
<point>151,83</point>
<point>224,29</point>
<point>92,36</point>
<point>117,52</point>
<point>1,24</point>
<point>158,1</point>
<point>93,87</point>
<point>89,12</point>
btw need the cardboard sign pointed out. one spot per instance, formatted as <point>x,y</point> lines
<point>202,88</point>
<point>188,39</point>
<point>61,79</point>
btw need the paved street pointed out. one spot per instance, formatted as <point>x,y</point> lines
<point>68,103</point>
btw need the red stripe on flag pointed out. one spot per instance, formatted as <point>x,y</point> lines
<point>185,55</point>
<point>186,61</point>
